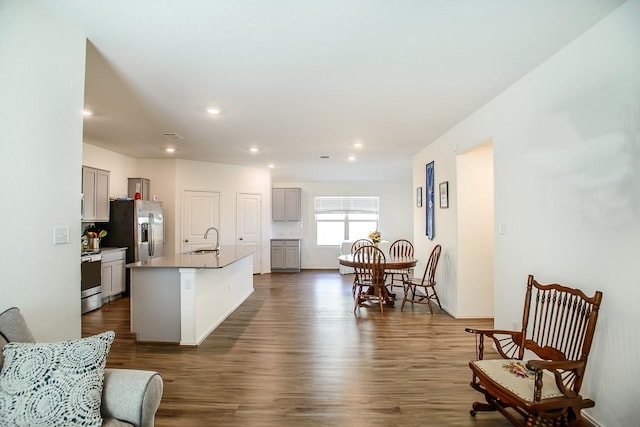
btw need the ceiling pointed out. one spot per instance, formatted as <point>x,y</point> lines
<point>301,79</point>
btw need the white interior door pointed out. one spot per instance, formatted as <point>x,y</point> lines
<point>249,209</point>
<point>201,210</point>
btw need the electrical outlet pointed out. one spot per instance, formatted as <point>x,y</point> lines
<point>60,234</point>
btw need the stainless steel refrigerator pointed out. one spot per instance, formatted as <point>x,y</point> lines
<point>137,225</point>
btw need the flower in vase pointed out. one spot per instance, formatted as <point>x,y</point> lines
<point>375,237</point>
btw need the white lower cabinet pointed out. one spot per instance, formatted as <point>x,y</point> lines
<point>285,255</point>
<point>113,282</point>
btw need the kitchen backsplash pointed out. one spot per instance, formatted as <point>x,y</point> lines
<point>293,229</point>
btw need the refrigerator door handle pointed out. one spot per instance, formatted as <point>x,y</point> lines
<point>151,237</point>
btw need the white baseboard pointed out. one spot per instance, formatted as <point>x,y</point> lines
<point>592,422</point>
<point>453,314</point>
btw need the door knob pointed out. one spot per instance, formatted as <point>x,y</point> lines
<point>240,238</point>
<point>186,240</point>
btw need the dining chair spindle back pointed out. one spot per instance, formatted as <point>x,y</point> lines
<point>354,247</point>
<point>369,275</point>
<point>400,248</point>
<point>426,284</point>
<point>360,243</point>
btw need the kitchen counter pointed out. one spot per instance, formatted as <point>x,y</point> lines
<point>182,298</point>
<point>109,249</point>
<point>227,255</point>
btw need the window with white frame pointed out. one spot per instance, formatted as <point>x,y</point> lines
<point>344,218</point>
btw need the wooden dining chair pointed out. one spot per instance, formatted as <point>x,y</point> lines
<point>427,284</point>
<point>360,243</point>
<point>354,247</point>
<point>399,248</point>
<point>369,266</point>
<point>558,325</point>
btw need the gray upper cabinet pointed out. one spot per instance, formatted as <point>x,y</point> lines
<point>95,191</point>
<point>285,204</point>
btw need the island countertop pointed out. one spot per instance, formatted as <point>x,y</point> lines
<point>228,254</point>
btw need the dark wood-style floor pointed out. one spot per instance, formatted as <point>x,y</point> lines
<point>294,354</point>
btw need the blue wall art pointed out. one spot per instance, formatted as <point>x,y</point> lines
<point>430,201</point>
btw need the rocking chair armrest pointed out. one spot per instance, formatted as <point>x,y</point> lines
<point>508,346</point>
<point>490,332</point>
<point>557,368</point>
<point>565,365</point>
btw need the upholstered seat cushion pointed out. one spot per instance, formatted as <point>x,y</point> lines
<point>515,377</point>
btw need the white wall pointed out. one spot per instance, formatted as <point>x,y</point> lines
<point>396,201</point>
<point>42,87</point>
<point>229,180</point>
<point>474,297</point>
<point>444,158</point>
<point>120,166</point>
<point>161,173</point>
<point>169,180</point>
<point>567,188</point>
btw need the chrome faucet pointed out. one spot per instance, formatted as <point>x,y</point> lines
<point>217,236</point>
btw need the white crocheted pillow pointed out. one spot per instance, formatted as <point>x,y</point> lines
<point>54,384</point>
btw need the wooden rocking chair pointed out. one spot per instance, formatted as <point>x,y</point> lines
<point>558,324</point>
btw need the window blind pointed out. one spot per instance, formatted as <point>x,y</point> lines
<point>346,205</point>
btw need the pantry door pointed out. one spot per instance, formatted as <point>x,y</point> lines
<point>201,210</point>
<point>249,211</point>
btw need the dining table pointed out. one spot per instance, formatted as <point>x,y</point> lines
<point>390,263</point>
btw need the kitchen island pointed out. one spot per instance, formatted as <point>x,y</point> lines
<point>182,298</point>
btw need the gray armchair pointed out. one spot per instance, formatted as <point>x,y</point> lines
<point>129,397</point>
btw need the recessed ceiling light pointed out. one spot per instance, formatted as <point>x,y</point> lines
<point>213,111</point>
<point>86,112</point>
<point>351,158</point>
<point>254,149</point>
<point>170,150</point>
<point>271,166</point>
<point>357,144</point>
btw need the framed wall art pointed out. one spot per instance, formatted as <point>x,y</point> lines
<point>430,201</point>
<point>444,194</point>
<point>419,197</point>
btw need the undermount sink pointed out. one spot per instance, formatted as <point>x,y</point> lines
<point>203,251</point>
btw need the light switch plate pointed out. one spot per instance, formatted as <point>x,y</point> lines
<point>60,234</point>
